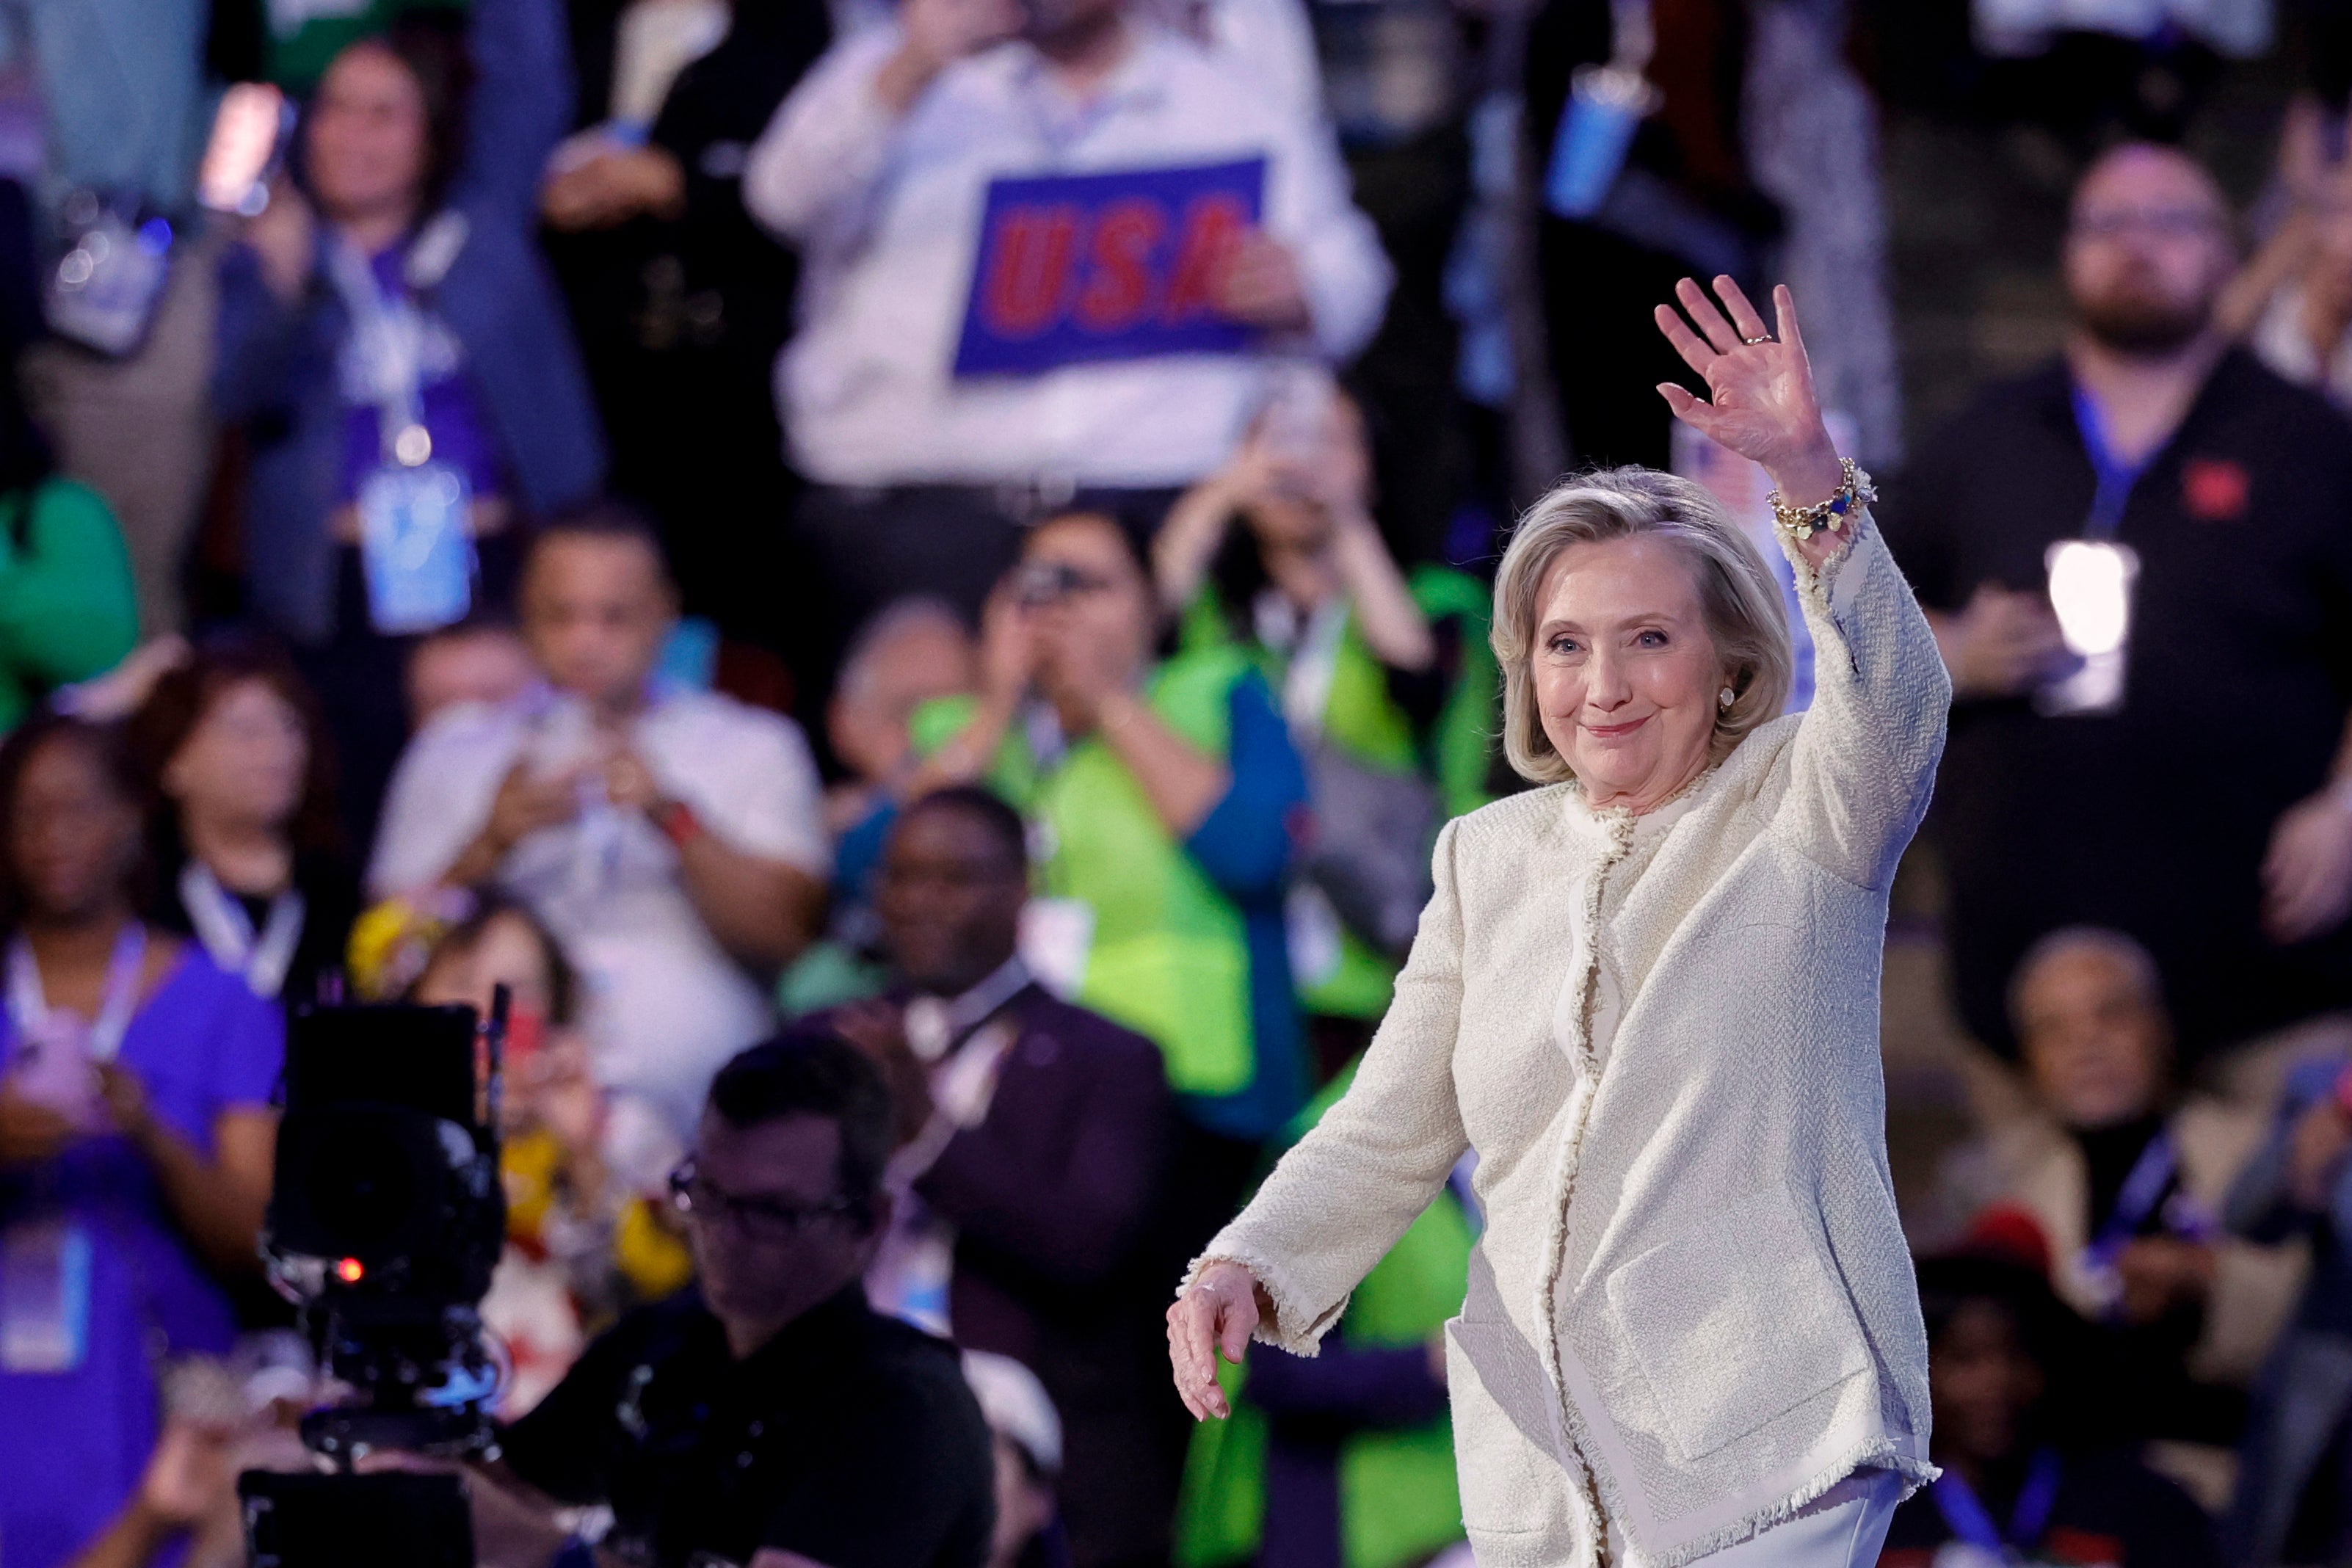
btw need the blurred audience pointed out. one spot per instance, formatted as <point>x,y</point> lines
<point>914,651</point>
<point>1345,1460</point>
<point>221,1418</point>
<point>136,1141</point>
<point>2299,1186</point>
<point>768,1413</point>
<point>245,847</point>
<point>117,379</point>
<point>681,301</point>
<point>2294,300</point>
<point>67,610</point>
<point>1037,1136</point>
<point>557,1265</point>
<point>2184,506</point>
<point>1386,682</point>
<point>480,659</point>
<point>2023,1481</point>
<point>976,366</point>
<point>1702,138</point>
<point>669,838</point>
<point>2124,1179</point>
<point>398,359</point>
<point>1166,789</point>
<point>1028,1441</point>
<point>881,167</point>
<point>68,607</point>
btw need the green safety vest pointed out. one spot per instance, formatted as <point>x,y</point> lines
<point>1397,1499</point>
<point>1361,718</point>
<point>1169,957</point>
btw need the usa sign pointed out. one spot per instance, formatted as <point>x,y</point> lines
<point>1080,267</point>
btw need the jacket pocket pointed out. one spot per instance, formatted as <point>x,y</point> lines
<point>1498,1391</point>
<point>1735,1322</point>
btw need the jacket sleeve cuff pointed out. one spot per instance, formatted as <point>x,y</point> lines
<point>1294,1326</point>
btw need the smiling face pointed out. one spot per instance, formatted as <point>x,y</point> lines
<point>1626,674</point>
<point>949,898</point>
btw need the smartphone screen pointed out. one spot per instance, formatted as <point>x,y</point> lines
<point>245,150</point>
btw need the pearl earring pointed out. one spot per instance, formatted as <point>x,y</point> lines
<point>1725,698</point>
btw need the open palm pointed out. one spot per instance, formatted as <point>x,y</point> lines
<point>1761,385</point>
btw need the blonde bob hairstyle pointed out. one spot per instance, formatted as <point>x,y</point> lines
<point>1738,595</point>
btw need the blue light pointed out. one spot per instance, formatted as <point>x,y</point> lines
<point>155,235</point>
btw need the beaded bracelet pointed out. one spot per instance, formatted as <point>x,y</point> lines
<point>1802,523</point>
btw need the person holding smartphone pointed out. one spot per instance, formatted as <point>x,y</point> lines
<point>136,1141</point>
<point>400,364</point>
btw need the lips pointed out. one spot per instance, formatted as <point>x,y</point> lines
<point>1611,731</point>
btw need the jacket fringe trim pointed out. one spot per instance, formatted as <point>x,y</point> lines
<point>1594,1486</point>
<point>1874,1453</point>
<point>1291,1328</point>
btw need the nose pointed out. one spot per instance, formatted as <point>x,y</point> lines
<point>1605,685</point>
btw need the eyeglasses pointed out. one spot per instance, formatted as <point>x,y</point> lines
<point>2157,223</point>
<point>762,1219</point>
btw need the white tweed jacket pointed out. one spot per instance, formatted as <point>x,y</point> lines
<point>1691,1310</point>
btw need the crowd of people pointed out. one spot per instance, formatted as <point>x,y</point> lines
<point>915,581</point>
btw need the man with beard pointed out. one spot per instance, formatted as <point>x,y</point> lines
<point>2189,781</point>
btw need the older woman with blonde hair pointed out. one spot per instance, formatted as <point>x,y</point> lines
<point>1646,1000</point>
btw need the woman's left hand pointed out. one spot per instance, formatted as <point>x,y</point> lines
<point>1763,403</point>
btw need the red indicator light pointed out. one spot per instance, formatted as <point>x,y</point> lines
<point>350,1270</point>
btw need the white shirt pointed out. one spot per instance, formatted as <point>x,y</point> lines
<point>886,212</point>
<point>664,1004</point>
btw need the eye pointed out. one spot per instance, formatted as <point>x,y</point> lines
<point>1651,639</point>
<point>1562,643</point>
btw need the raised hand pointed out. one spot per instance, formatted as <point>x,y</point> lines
<point>934,34</point>
<point>1760,400</point>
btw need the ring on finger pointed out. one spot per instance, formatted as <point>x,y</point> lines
<point>1751,342</point>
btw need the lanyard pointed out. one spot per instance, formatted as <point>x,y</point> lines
<point>226,931</point>
<point>935,1025</point>
<point>1966,1518</point>
<point>386,346</point>
<point>2150,1174</point>
<point>2114,476</point>
<point>392,339</point>
<point>1314,662</point>
<point>28,1006</point>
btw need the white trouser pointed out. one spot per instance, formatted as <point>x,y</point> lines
<point>1843,1528</point>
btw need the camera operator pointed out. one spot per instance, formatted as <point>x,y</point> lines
<point>768,1416</point>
